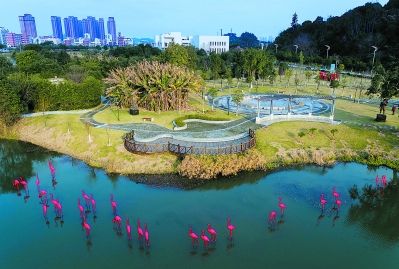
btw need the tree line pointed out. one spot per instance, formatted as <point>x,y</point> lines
<point>350,37</point>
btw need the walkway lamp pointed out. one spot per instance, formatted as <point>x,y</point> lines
<point>228,105</point>
<point>328,49</point>
<point>276,45</point>
<point>296,48</point>
<point>375,51</point>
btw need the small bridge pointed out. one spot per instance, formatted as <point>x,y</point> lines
<point>181,146</point>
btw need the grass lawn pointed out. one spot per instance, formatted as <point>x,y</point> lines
<point>285,136</point>
<point>164,118</point>
<point>304,87</point>
<point>106,149</point>
<point>364,113</point>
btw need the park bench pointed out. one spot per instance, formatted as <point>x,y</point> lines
<point>148,119</point>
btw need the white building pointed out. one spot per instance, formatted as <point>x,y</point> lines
<point>42,39</point>
<point>217,44</point>
<point>162,41</point>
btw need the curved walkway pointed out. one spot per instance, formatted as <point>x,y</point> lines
<point>195,130</point>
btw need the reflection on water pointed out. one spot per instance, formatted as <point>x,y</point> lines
<point>378,211</point>
<point>17,160</point>
<point>364,235</point>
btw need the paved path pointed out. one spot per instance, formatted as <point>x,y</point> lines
<point>194,129</point>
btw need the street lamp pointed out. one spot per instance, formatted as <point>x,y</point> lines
<point>328,49</point>
<point>375,50</point>
<point>276,45</point>
<point>296,49</point>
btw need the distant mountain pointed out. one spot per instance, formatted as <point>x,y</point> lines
<point>350,35</point>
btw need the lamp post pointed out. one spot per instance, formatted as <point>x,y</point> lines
<point>276,45</point>
<point>228,105</point>
<point>375,50</point>
<point>328,49</point>
<point>296,49</point>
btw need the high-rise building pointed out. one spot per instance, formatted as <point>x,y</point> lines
<point>92,27</point>
<point>13,40</point>
<point>111,26</point>
<point>28,28</point>
<point>72,27</point>
<point>101,29</point>
<point>3,33</point>
<point>57,28</point>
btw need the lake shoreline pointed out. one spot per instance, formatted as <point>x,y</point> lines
<point>175,179</point>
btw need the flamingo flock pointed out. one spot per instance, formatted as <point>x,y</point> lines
<point>87,205</point>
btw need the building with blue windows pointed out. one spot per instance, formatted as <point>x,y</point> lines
<point>57,27</point>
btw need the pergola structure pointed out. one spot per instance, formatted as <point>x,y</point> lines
<point>291,115</point>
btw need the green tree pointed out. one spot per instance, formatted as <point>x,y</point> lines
<point>153,86</point>
<point>5,67</point>
<point>308,75</point>
<point>296,81</point>
<point>32,62</point>
<point>254,62</point>
<point>213,93</point>
<point>378,81</point>
<point>317,79</point>
<point>288,75</point>
<point>216,65</point>
<point>10,104</point>
<point>294,22</point>
<point>301,58</point>
<point>177,55</point>
<point>282,68</point>
<point>334,84</point>
<point>237,98</point>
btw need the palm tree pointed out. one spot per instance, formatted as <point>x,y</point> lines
<point>152,85</point>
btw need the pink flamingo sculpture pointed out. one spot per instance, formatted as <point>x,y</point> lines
<point>93,204</point>
<point>117,220</point>
<point>212,232</point>
<point>323,201</point>
<point>44,207</point>
<point>42,193</point>
<point>59,210</point>
<point>281,205</point>
<point>338,203</point>
<point>205,239</point>
<point>24,184</point>
<point>87,227</point>
<point>16,185</point>
<point>384,181</point>
<point>335,193</point>
<point>87,200</point>
<point>140,232</point>
<point>52,169</point>
<point>272,217</point>
<point>146,236</point>
<point>128,230</point>
<point>81,209</point>
<point>193,236</point>
<point>230,228</point>
<point>113,204</point>
<point>53,201</point>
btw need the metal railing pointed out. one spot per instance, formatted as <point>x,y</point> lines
<point>224,148</point>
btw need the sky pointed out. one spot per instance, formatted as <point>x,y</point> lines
<point>146,18</point>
